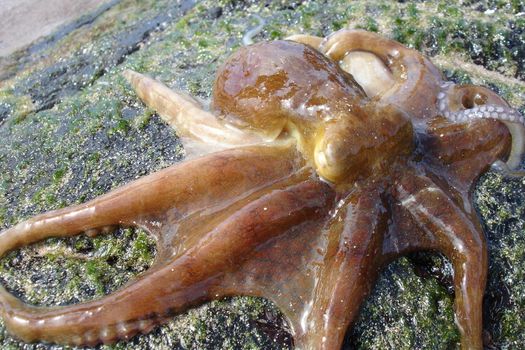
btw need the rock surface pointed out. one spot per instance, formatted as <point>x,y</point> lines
<point>23,21</point>
<point>72,129</point>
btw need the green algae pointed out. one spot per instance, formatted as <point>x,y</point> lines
<point>98,136</point>
<point>501,205</point>
<point>389,319</point>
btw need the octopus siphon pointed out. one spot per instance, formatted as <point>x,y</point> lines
<point>319,161</point>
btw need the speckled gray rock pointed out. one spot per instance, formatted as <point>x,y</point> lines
<point>72,129</point>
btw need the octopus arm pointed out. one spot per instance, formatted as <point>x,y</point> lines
<point>319,275</point>
<point>281,195</point>
<point>312,40</point>
<point>169,194</point>
<point>470,103</point>
<point>350,267</point>
<point>398,75</point>
<point>179,283</point>
<point>200,130</point>
<point>425,218</point>
<point>461,152</point>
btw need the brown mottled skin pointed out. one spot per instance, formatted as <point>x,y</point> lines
<point>336,185</point>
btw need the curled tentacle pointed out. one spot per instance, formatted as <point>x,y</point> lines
<point>369,71</point>
<point>176,282</point>
<point>465,103</point>
<point>416,79</point>
<point>503,168</point>
<point>247,39</point>
<point>312,40</point>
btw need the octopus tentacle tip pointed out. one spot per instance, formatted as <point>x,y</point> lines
<point>460,104</point>
<point>247,38</point>
<point>311,40</point>
<point>345,159</point>
<point>130,75</point>
<point>506,171</point>
<point>127,73</point>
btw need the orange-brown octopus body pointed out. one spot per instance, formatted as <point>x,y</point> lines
<point>340,132</point>
<point>326,178</point>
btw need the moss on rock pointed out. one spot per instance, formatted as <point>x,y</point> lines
<point>72,129</point>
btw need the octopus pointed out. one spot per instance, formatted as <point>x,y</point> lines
<point>319,161</point>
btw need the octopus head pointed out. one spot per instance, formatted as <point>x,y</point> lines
<point>286,89</point>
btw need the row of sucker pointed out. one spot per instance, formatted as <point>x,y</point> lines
<point>123,330</point>
<point>105,334</point>
<point>514,121</point>
<point>93,232</point>
<point>477,112</point>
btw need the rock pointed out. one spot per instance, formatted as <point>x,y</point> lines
<point>72,129</point>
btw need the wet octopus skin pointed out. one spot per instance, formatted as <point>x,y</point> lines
<point>320,179</point>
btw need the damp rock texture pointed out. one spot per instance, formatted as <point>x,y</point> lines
<point>72,129</point>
